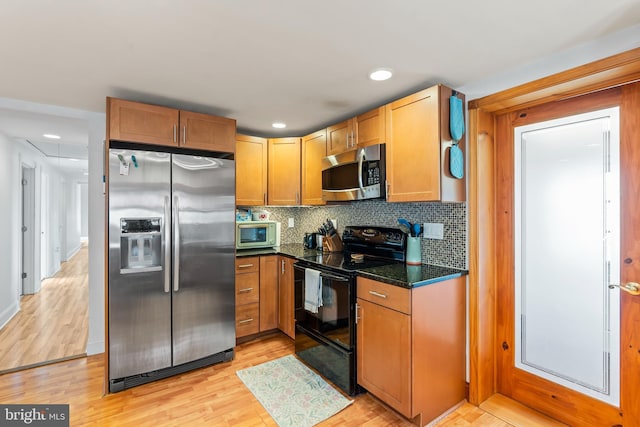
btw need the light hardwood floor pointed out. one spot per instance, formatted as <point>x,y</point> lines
<point>52,324</point>
<point>211,396</point>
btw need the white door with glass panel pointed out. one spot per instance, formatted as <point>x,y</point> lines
<point>567,252</point>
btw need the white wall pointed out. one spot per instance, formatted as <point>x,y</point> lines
<point>64,231</point>
<point>71,213</point>
<point>9,257</point>
<point>97,133</point>
<point>84,210</point>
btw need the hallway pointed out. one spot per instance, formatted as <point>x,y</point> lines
<point>52,325</point>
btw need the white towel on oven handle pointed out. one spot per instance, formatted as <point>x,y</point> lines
<point>312,290</point>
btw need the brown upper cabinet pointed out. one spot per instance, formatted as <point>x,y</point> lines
<point>151,124</point>
<point>251,170</point>
<point>365,129</point>
<point>314,149</point>
<point>418,142</point>
<point>284,171</point>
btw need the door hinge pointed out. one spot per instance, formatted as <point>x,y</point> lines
<point>24,275</point>
<point>505,346</point>
<point>24,182</point>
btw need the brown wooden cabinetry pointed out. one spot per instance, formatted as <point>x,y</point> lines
<point>286,321</point>
<point>365,129</point>
<point>131,121</point>
<point>418,142</point>
<point>247,296</point>
<point>256,294</point>
<point>251,170</point>
<point>340,137</point>
<point>284,171</point>
<point>314,149</point>
<point>207,132</point>
<point>384,343</point>
<point>135,122</point>
<point>268,293</point>
<point>411,345</point>
<point>370,127</point>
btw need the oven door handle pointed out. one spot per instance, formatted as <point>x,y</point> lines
<point>323,274</point>
<point>332,277</point>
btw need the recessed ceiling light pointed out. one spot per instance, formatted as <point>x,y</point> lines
<point>380,74</point>
<point>74,160</point>
<point>279,125</point>
<point>86,173</point>
<point>51,136</point>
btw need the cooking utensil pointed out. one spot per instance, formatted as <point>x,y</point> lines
<point>417,230</point>
<point>405,226</point>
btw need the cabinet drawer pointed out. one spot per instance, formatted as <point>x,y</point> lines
<point>247,288</point>
<point>247,264</point>
<point>247,319</point>
<point>393,297</point>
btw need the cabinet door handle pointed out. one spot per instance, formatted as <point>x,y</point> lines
<point>245,265</point>
<point>175,132</point>
<point>245,290</point>
<point>357,317</point>
<point>282,266</point>
<point>377,294</point>
<point>184,135</point>
<point>246,321</point>
<point>264,198</point>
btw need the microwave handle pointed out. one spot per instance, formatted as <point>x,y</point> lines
<point>360,162</point>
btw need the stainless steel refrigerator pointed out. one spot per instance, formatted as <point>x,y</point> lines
<point>171,278</point>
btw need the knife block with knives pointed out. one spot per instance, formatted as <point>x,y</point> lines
<point>331,242</point>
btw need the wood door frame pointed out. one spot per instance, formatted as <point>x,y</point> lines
<point>484,213</point>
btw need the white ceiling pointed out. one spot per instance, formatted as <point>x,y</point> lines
<point>301,62</point>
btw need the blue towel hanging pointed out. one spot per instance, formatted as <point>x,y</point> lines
<point>456,118</point>
<point>456,161</point>
<point>456,127</point>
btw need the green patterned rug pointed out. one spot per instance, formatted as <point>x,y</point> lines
<point>293,394</point>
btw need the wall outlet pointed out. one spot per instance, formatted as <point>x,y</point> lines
<point>291,223</point>
<point>433,230</point>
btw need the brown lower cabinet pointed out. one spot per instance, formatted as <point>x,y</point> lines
<point>256,294</point>
<point>286,321</point>
<point>411,346</point>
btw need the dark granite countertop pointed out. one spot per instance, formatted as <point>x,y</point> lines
<point>411,276</point>
<point>294,250</point>
<point>406,276</point>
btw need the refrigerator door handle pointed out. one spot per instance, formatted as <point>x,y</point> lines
<point>176,244</point>
<point>165,244</point>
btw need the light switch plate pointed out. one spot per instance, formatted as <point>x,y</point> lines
<point>291,223</point>
<point>433,230</point>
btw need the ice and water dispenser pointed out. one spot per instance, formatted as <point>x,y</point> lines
<point>140,245</point>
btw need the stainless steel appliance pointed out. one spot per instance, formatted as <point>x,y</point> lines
<point>171,305</point>
<point>354,175</point>
<point>257,234</point>
<point>326,338</point>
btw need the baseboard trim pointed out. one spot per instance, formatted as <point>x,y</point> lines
<point>46,362</point>
<point>96,347</point>
<point>72,252</point>
<point>9,313</point>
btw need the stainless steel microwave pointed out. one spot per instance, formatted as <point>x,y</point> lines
<point>257,234</point>
<point>354,175</point>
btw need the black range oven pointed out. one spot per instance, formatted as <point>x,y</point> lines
<point>326,340</point>
<point>325,336</point>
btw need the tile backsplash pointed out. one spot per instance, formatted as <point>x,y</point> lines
<point>450,252</point>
